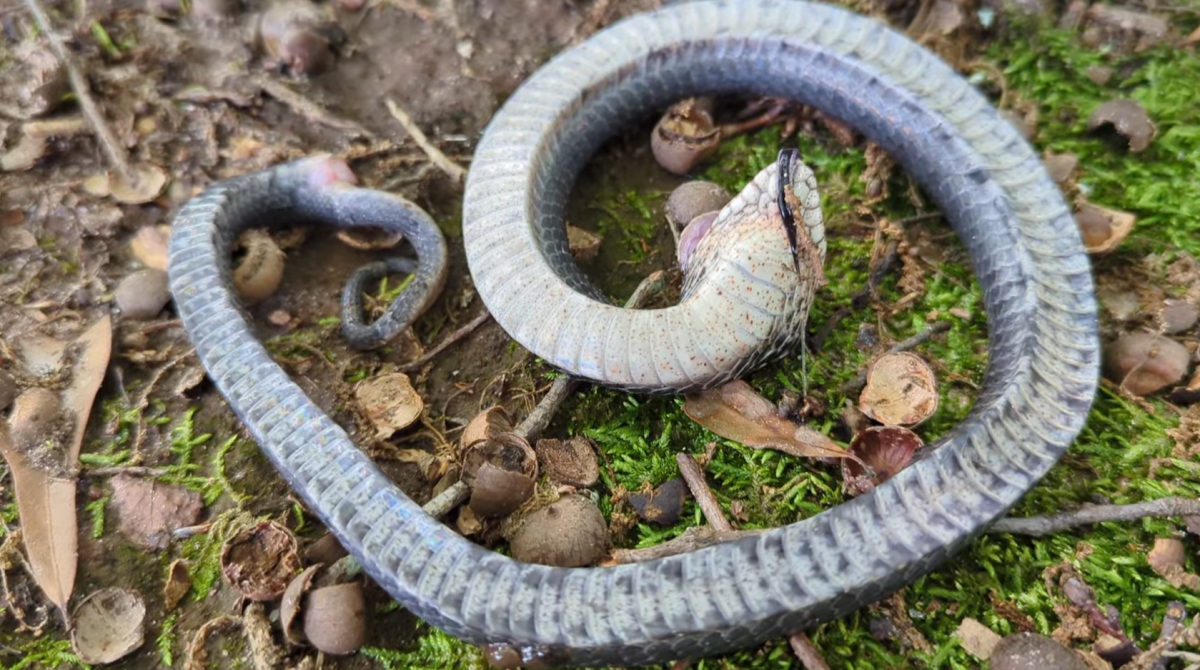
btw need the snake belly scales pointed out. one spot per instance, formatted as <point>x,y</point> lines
<point>987,181</point>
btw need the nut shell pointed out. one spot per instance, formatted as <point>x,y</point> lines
<point>568,533</point>
<point>335,618</point>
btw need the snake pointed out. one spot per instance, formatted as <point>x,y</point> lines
<point>986,180</point>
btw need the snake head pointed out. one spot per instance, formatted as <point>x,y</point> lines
<point>777,215</point>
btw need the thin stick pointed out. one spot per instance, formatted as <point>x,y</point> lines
<point>1172,622</point>
<point>1045,525</point>
<point>108,141</point>
<point>447,342</point>
<point>694,477</point>
<point>447,500</point>
<point>804,650</point>
<point>903,345</point>
<point>540,417</point>
<point>454,170</point>
<point>696,537</point>
<point>131,471</point>
<point>307,108</point>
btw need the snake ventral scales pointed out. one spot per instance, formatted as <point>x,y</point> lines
<point>986,180</point>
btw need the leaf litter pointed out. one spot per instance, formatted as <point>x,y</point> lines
<point>43,464</point>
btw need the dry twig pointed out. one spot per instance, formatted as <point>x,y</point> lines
<point>447,342</point>
<point>307,108</point>
<point>539,418</point>
<point>804,650</point>
<point>452,169</point>
<point>108,140</point>
<point>693,476</point>
<point>1090,514</point>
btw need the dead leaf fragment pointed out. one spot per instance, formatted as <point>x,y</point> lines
<point>584,245</point>
<point>179,582</point>
<point>901,390</point>
<point>1061,166</point>
<point>1166,559</point>
<point>571,462</point>
<point>260,561</point>
<point>945,17</point>
<point>45,492</point>
<point>735,412</point>
<point>977,639</point>
<point>109,624</point>
<point>148,511</point>
<point>34,139</point>
<point>150,246</point>
<point>389,402</point>
<point>1129,118</point>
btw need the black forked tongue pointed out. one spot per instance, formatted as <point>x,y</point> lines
<point>787,159</point>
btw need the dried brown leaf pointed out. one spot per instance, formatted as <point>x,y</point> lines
<point>45,497</point>
<point>735,412</point>
<point>148,510</point>
<point>46,506</point>
<point>977,639</point>
<point>179,582</point>
<point>389,402</point>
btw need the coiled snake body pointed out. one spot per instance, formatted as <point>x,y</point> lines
<point>1025,249</point>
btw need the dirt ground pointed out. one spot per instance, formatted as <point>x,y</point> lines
<point>196,96</point>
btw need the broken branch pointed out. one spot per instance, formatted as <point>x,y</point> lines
<point>452,169</point>
<point>1090,514</point>
<point>108,141</point>
<point>693,476</point>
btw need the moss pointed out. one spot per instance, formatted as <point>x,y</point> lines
<point>96,510</point>
<point>46,653</point>
<point>434,651</point>
<point>165,642</point>
<point>1158,184</point>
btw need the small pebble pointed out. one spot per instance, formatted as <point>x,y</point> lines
<point>143,294</point>
<point>279,318</point>
<point>1178,316</point>
<point>1099,74</point>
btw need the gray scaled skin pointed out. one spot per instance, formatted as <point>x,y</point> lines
<point>1026,252</point>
